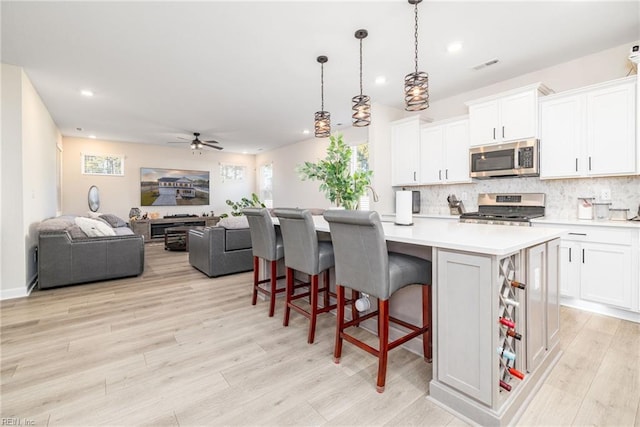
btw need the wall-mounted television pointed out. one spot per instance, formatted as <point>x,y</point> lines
<point>173,187</point>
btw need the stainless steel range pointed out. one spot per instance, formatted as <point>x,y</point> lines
<point>506,209</point>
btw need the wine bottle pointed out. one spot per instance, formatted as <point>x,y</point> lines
<point>509,301</point>
<point>514,334</point>
<point>518,285</point>
<point>506,353</point>
<point>505,386</point>
<point>516,373</point>
<point>508,323</point>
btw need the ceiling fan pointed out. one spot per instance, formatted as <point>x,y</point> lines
<point>197,144</point>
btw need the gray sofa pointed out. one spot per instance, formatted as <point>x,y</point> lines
<point>67,255</point>
<point>218,250</point>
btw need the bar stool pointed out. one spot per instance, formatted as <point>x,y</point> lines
<point>304,253</point>
<point>266,244</point>
<point>363,263</point>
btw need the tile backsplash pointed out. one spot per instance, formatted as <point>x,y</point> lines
<point>561,194</point>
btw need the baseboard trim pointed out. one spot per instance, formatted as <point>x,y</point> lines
<point>19,292</point>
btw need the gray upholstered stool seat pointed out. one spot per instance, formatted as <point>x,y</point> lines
<point>267,244</point>
<point>304,253</point>
<point>364,264</point>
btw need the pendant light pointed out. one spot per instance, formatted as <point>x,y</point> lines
<point>322,118</point>
<point>416,84</point>
<point>361,104</point>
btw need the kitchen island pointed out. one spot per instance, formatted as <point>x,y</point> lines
<point>478,358</point>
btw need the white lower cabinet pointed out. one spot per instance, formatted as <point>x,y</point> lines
<point>599,268</point>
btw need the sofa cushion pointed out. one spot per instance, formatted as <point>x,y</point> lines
<point>234,222</point>
<point>94,228</point>
<point>60,223</point>
<point>123,231</point>
<point>237,239</point>
<point>113,220</point>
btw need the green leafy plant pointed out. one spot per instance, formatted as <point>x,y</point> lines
<point>236,207</point>
<point>339,185</point>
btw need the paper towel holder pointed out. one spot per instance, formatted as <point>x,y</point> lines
<point>409,206</point>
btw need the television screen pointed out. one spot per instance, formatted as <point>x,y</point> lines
<point>173,187</point>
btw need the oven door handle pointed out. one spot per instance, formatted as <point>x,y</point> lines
<point>519,165</point>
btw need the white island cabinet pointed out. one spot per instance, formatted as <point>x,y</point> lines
<point>474,269</point>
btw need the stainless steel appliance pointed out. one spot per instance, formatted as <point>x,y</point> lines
<point>518,158</point>
<point>507,209</point>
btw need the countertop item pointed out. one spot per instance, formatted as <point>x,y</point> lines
<point>585,207</point>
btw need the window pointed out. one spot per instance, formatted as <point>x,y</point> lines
<point>99,164</point>
<point>232,172</point>
<point>360,161</point>
<point>265,185</point>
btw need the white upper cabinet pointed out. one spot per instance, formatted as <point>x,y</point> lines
<point>589,131</point>
<point>405,151</point>
<point>444,153</point>
<point>508,116</point>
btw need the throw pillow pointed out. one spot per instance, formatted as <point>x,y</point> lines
<point>234,222</point>
<point>94,228</point>
<point>113,220</point>
<point>56,224</point>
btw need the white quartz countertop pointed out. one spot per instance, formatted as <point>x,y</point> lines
<point>587,222</point>
<point>479,238</point>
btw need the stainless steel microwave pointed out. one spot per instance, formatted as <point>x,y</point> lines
<point>518,158</point>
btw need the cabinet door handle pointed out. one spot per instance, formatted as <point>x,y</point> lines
<point>414,175</point>
<point>583,256</point>
<point>446,173</point>
<point>440,175</point>
<point>576,164</point>
<point>578,234</point>
<point>502,131</point>
<point>494,133</point>
<point>589,162</point>
<point>569,254</point>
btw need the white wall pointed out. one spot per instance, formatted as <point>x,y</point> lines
<point>29,138</point>
<point>288,189</point>
<point>118,194</point>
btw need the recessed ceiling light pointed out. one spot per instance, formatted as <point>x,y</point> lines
<point>306,131</point>
<point>380,80</point>
<point>92,136</point>
<point>86,92</point>
<point>244,152</point>
<point>454,47</point>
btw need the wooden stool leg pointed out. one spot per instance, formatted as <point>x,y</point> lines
<point>274,284</point>
<point>314,308</point>
<point>427,346</point>
<point>337,349</point>
<point>383,334</point>
<point>354,312</point>
<point>288,293</point>
<point>326,287</point>
<point>256,266</point>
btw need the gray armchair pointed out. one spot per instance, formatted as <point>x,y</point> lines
<point>217,251</point>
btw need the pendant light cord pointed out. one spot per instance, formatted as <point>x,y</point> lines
<point>322,86</point>
<point>416,36</point>
<point>360,67</point>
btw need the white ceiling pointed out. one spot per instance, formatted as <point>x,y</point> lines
<point>245,73</point>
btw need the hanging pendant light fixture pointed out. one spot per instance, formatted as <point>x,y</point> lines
<point>416,84</point>
<point>322,118</point>
<point>361,104</point>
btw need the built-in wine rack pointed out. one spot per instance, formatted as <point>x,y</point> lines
<point>510,295</point>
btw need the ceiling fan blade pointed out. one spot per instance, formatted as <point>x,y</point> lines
<point>212,142</point>
<point>217,147</point>
<point>177,142</point>
<point>186,139</point>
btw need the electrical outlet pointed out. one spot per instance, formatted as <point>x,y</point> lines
<point>605,194</point>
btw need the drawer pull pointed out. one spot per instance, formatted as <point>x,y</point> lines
<point>578,234</point>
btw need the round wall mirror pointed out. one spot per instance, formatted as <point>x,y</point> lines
<point>94,198</point>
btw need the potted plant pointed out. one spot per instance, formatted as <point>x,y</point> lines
<point>342,187</point>
<point>236,207</point>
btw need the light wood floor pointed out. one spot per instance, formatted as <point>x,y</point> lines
<point>174,347</point>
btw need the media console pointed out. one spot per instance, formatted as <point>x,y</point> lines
<point>153,229</point>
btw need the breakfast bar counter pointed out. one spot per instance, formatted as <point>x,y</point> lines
<point>495,312</point>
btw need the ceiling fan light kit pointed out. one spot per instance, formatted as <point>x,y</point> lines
<point>416,84</point>
<point>361,104</point>
<point>322,118</point>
